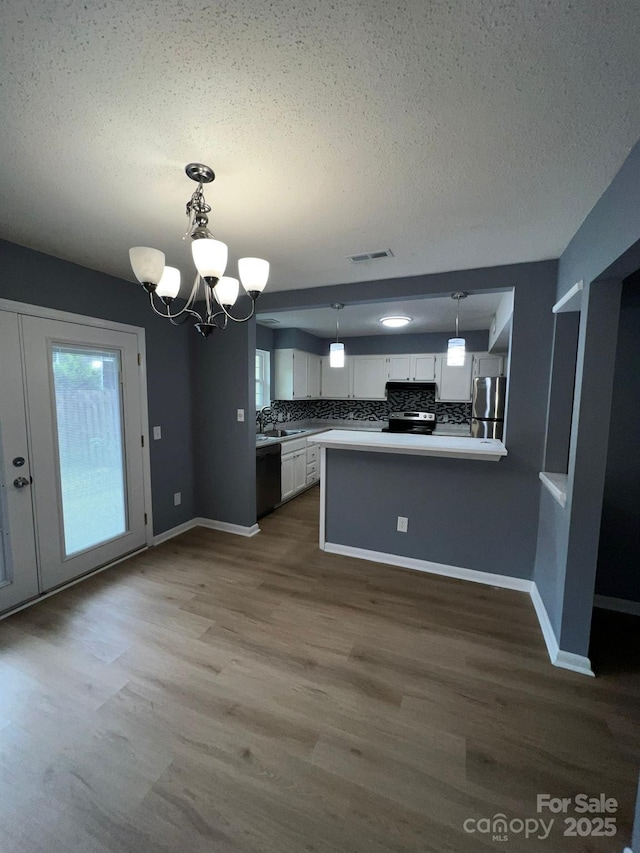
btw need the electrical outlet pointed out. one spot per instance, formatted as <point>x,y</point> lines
<point>403,524</point>
<point>157,433</point>
<point>177,498</point>
<point>240,415</point>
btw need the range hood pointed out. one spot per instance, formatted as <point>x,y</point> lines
<point>410,386</point>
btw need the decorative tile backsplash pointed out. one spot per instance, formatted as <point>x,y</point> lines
<point>370,410</point>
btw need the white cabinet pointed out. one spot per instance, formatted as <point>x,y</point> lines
<point>424,368</point>
<point>313,375</point>
<point>399,368</point>
<point>300,466</point>
<point>411,368</point>
<point>488,365</point>
<point>299,470</point>
<point>287,475</point>
<point>297,375</point>
<point>369,377</point>
<point>335,382</point>
<point>454,383</point>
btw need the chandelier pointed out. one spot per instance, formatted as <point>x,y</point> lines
<point>221,291</point>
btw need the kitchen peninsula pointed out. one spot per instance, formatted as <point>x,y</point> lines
<point>438,486</point>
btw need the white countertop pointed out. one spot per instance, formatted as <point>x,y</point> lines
<point>457,447</point>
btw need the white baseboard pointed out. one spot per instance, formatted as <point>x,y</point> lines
<point>210,524</point>
<point>558,657</point>
<point>620,605</point>
<point>504,581</point>
<point>226,527</point>
<point>174,531</point>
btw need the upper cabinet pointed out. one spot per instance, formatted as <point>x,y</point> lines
<point>399,368</point>
<point>411,368</point>
<point>369,377</point>
<point>454,383</point>
<point>423,368</point>
<point>335,382</point>
<point>304,376</point>
<point>297,375</point>
<point>488,365</point>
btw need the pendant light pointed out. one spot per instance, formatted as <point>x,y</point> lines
<point>456,347</point>
<point>336,350</point>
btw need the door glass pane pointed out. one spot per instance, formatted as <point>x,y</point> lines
<point>90,445</point>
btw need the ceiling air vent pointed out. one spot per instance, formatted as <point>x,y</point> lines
<point>371,256</point>
<point>268,321</point>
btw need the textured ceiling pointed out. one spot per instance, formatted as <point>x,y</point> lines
<point>427,315</point>
<point>460,134</point>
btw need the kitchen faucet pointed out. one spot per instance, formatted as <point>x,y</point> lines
<point>261,417</point>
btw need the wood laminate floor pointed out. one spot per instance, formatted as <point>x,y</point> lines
<point>226,695</point>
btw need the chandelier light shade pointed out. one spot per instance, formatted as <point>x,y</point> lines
<point>336,350</point>
<point>456,347</point>
<point>169,285</point>
<point>147,264</point>
<point>226,291</point>
<point>254,273</point>
<point>210,256</point>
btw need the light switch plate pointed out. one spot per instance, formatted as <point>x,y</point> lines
<point>403,524</point>
<point>241,415</point>
<point>157,433</point>
<point>177,498</point>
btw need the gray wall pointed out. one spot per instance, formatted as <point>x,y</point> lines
<point>264,338</point>
<point>297,339</point>
<point>508,490</point>
<point>605,250</point>
<point>223,381</point>
<point>39,279</point>
<point>475,515</point>
<point>561,392</point>
<point>618,572</point>
<point>608,231</point>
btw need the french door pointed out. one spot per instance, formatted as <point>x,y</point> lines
<point>70,448</point>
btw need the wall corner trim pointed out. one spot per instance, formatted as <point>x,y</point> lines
<point>620,605</point>
<point>210,524</point>
<point>571,300</point>
<point>174,531</point>
<point>227,527</point>
<point>558,657</point>
<point>503,581</point>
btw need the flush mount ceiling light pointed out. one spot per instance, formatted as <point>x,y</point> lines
<point>336,350</point>
<point>456,347</point>
<point>395,322</point>
<point>210,258</point>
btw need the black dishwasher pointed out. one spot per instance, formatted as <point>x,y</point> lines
<point>268,490</point>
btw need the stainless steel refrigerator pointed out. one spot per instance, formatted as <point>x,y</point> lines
<point>487,406</point>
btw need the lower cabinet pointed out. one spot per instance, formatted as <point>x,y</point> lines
<point>299,467</point>
<point>287,475</point>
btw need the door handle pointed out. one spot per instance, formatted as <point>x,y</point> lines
<point>20,482</point>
